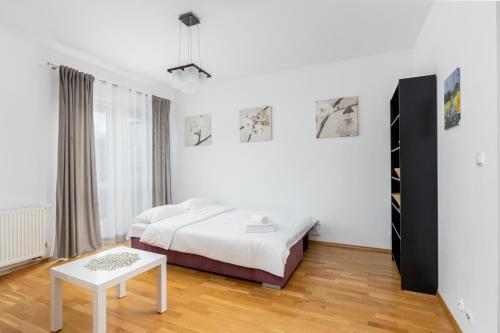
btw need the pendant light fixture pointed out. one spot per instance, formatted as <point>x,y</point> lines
<point>188,77</point>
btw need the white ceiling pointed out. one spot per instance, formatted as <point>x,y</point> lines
<point>238,38</point>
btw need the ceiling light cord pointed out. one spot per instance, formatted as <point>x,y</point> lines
<point>190,42</point>
<point>180,41</point>
<point>199,44</point>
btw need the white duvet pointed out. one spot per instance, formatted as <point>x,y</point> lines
<point>218,232</point>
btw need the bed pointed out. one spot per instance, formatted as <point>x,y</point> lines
<point>212,238</point>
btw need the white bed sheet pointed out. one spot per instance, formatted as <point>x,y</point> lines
<point>137,229</point>
<point>222,237</point>
<point>162,233</point>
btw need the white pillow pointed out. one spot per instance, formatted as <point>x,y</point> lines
<point>197,203</point>
<point>159,213</point>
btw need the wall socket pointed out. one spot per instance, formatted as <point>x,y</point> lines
<point>469,317</point>
<point>461,304</point>
<point>468,314</point>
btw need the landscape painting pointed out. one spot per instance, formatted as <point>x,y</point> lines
<point>256,124</point>
<point>337,117</point>
<point>198,130</point>
<point>452,100</point>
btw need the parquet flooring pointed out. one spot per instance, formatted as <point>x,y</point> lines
<point>333,290</point>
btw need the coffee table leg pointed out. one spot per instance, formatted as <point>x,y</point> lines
<point>121,289</point>
<point>161,301</point>
<point>56,308</point>
<point>99,311</point>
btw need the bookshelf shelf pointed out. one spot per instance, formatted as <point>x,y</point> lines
<point>397,171</point>
<point>397,197</point>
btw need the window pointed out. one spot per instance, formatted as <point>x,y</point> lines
<point>123,144</point>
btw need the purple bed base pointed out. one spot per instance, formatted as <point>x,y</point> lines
<point>219,267</point>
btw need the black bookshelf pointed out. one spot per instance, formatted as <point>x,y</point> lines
<point>414,183</point>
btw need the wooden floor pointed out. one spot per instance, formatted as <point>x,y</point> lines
<point>333,290</point>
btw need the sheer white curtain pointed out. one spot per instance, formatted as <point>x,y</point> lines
<point>123,140</point>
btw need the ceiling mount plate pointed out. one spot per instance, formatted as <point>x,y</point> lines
<point>189,19</point>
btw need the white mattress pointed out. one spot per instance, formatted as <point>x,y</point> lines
<point>221,236</point>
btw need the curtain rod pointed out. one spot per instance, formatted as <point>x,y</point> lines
<point>55,67</point>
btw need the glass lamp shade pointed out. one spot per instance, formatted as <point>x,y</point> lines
<point>177,78</point>
<point>203,77</point>
<point>188,79</point>
<point>191,74</point>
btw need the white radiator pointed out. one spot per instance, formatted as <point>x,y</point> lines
<point>22,234</point>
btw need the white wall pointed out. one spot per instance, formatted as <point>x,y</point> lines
<point>459,34</point>
<point>344,182</point>
<point>498,159</point>
<point>29,118</point>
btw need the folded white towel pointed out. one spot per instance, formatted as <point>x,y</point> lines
<point>251,225</point>
<point>262,228</point>
<point>260,220</point>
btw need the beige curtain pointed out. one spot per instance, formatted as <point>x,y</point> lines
<point>161,152</point>
<point>77,214</point>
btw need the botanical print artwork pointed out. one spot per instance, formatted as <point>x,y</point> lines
<point>452,100</point>
<point>198,130</point>
<point>255,124</point>
<point>337,117</point>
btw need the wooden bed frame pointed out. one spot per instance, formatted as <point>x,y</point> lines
<point>214,266</point>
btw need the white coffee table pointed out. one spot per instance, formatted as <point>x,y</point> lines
<point>98,281</point>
